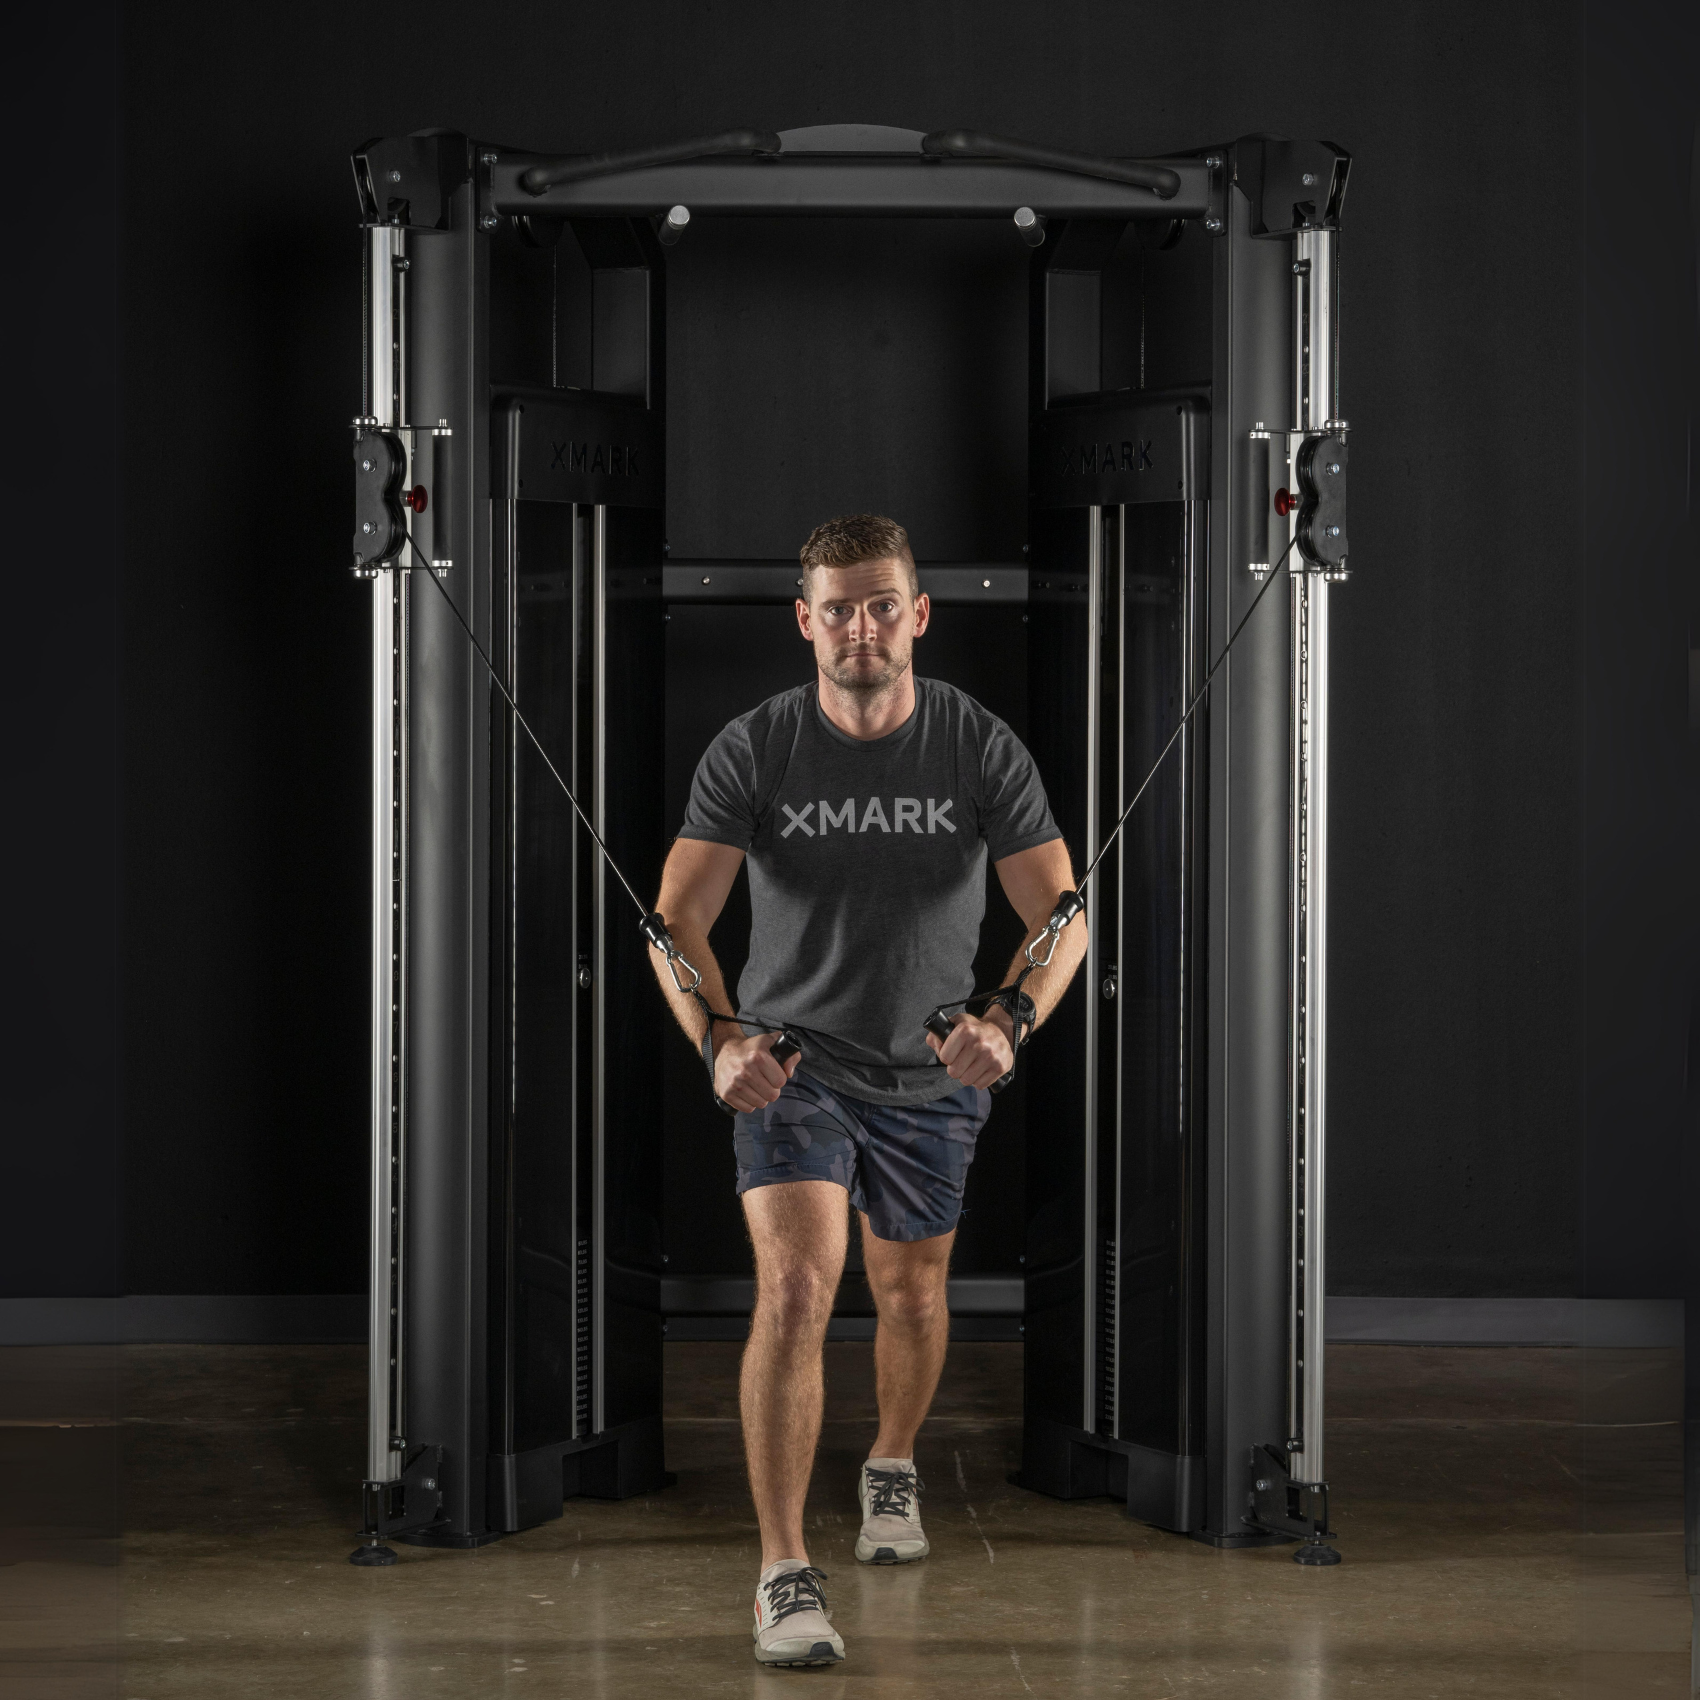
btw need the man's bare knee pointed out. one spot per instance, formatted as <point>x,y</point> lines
<point>914,1303</point>
<point>908,1278</point>
<point>798,1231</point>
<point>794,1300</point>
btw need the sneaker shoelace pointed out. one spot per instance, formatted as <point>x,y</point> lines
<point>794,1591</point>
<point>890,1492</point>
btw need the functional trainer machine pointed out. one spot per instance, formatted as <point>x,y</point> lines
<point>1184,445</point>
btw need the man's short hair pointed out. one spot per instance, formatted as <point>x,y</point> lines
<point>850,540</point>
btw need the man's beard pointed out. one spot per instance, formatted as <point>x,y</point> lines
<point>865,683</point>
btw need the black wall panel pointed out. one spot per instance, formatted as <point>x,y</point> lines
<point>825,366</point>
<point>60,465</point>
<point>1457,1045</point>
<point>1640,648</point>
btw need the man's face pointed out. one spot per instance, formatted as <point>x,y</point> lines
<point>863,622</point>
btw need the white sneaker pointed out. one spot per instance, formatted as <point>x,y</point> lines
<point>793,1626</point>
<point>891,1513</point>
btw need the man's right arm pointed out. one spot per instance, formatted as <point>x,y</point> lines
<point>694,885</point>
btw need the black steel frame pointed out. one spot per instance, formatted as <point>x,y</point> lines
<point>1173,1290</point>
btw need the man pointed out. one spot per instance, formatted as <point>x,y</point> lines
<point>867,805</point>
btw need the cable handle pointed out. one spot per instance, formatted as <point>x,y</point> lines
<point>786,1046</point>
<point>939,1024</point>
<point>654,928</point>
<point>941,1027</point>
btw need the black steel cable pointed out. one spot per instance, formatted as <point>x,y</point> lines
<point>643,911</point>
<point>708,1009</point>
<point>507,697</point>
<point>1180,726</point>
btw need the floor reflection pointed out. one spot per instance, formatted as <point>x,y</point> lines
<point>1510,1520</point>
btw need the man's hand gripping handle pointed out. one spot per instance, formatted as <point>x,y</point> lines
<point>783,1049</point>
<point>654,928</point>
<point>1070,904</point>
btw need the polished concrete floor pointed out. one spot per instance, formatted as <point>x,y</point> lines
<point>1510,1519</point>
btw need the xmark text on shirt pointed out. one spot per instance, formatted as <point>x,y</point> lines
<point>905,813</point>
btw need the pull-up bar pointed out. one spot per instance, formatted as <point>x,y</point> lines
<point>549,174</point>
<point>864,169</point>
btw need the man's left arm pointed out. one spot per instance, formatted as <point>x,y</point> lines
<point>982,1048</point>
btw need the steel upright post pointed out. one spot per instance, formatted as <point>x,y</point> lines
<point>1315,410</point>
<point>1093,1273</point>
<point>600,947</point>
<point>385,366</point>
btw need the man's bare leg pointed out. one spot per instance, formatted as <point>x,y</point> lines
<point>800,1230</point>
<point>908,1282</point>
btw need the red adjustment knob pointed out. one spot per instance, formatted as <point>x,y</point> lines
<point>415,498</point>
<point>1285,502</point>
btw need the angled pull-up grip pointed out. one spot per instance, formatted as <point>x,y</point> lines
<point>547,174</point>
<point>972,144</point>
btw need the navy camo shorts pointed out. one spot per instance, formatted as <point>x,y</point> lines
<point>905,1165</point>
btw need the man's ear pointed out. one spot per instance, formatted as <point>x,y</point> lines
<point>803,620</point>
<point>923,613</point>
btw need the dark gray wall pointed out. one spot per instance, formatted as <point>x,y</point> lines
<point>1457,1108</point>
<point>60,466</point>
<point>1640,638</point>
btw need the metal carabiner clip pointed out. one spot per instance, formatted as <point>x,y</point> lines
<point>654,928</point>
<point>1048,938</point>
<point>1070,904</point>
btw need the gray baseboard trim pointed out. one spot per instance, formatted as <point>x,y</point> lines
<point>699,1308</point>
<point>680,1328</point>
<point>983,1307</point>
<point>185,1318</point>
<point>732,1295</point>
<point>1505,1322</point>
<point>696,1305</point>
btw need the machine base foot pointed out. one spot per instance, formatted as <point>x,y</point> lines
<point>458,1543</point>
<point>373,1552</point>
<point>527,1488</point>
<point>1164,1489</point>
<point>1316,1552</point>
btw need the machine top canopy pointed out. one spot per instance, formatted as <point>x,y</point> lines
<point>852,170</point>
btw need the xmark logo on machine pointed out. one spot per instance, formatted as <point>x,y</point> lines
<point>905,812</point>
<point>616,458</point>
<point>1093,458</point>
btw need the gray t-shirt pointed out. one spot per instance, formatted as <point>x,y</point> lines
<point>867,862</point>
